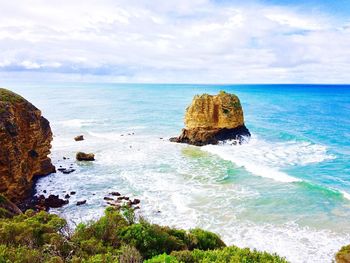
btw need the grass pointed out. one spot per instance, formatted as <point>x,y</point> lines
<point>9,96</point>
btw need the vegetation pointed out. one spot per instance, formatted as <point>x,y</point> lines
<point>9,96</point>
<point>228,254</point>
<point>115,237</point>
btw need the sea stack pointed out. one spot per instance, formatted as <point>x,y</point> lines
<point>213,118</point>
<point>25,143</point>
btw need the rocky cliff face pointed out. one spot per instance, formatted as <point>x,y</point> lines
<point>210,119</point>
<point>25,142</point>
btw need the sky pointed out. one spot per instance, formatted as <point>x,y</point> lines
<point>180,41</point>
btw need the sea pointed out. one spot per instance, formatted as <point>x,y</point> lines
<point>286,191</point>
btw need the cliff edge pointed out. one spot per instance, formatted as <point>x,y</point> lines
<point>25,142</point>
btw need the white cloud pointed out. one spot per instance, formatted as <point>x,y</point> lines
<point>172,41</point>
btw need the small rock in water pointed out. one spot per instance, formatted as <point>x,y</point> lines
<point>73,193</point>
<point>81,202</point>
<point>68,171</point>
<point>54,201</point>
<point>81,156</point>
<point>67,196</point>
<point>115,194</point>
<point>135,201</point>
<point>108,198</point>
<point>65,170</point>
<point>79,138</point>
<point>64,158</point>
<point>44,191</point>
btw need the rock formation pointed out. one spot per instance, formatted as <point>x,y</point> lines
<point>79,138</point>
<point>25,142</point>
<point>81,156</point>
<point>210,119</point>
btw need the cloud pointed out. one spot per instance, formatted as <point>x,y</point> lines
<point>172,41</point>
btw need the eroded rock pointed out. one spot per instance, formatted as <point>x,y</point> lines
<point>79,138</point>
<point>81,156</point>
<point>25,143</point>
<point>213,118</point>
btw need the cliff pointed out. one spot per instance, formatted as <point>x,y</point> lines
<point>213,118</point>
<point>25,142</point>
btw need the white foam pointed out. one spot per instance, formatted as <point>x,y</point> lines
<point>345,194</point>
<point>266,159</point>
<point>77,123</point>
<point>112,136</point>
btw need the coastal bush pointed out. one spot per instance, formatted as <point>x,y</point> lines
<point>150,239</point>
<point>205,240</point>
<point>30,229</point>
<point>228,254</point>
<point>104,230</point>
<point>115,237</point>
<point>163,258</point>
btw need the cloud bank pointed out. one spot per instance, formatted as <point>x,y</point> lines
<point>198,41</point>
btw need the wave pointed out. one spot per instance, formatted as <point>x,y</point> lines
<point>77,123</point>
<point>345,194</point>
<point>268,159</point>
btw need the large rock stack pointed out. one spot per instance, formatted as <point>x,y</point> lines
<point>211,119</point>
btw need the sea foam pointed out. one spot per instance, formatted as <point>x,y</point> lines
<point>267,159</point>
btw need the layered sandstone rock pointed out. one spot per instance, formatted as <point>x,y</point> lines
<point>210,119</point>
<point>25,142</point>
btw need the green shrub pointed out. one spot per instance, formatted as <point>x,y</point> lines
<point>20,254</point>
<point>101,258</point>
<point>205,240</point>
<point>130,254</point>
<point>164,258</point>
<point>235,254</point>
<point>31,230</point>
<point>151,240</point>
<point>40,237</point>
<point>184,256</point>
<point>104,230</point>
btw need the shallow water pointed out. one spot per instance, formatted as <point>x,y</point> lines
<point>286,191</point>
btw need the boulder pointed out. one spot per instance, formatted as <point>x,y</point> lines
<point>25,143</point>
<point>213,118</point>
<point>79,138</point>
<point>81,156</point>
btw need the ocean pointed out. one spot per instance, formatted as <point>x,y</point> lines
<point>286,191</point>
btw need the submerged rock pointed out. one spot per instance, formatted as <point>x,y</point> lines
<point>25,143</point>
<point>81,156</point>
<point>213,118</point>
<point>81,202</point>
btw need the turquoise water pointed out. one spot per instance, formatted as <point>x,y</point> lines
<point>286,191</point>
